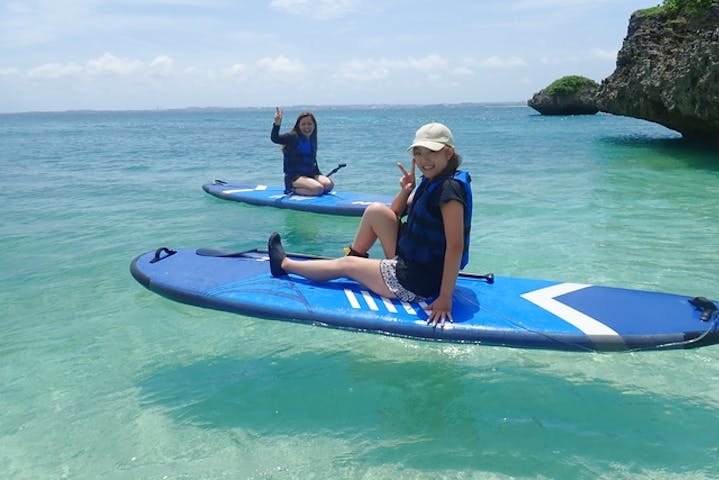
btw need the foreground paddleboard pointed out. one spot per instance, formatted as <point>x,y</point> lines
<point>506,311</point>
<point>334,203</point>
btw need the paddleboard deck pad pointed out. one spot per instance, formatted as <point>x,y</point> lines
<point>334,202</point>
<point>502,311</point>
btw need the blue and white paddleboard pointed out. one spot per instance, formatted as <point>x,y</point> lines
<point>515,312</point>
<point>335,202</point>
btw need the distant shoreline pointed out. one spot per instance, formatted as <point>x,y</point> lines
<point>267,107</point>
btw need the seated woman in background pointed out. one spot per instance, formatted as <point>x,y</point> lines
<point>299,147</point>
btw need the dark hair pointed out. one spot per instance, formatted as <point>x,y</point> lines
<point>296,128</point>
<point>452,164</point>
<point>455,161</point>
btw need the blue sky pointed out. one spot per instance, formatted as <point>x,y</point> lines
<point>146,54</point>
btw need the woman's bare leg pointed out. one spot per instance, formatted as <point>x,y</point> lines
<point>378,222</point>
<point>326,183</point>
<point>308,186</point>
<point>362,270</point>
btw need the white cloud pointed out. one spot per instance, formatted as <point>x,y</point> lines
<point>175,3</point>
<point>370,70</point>
<point>110,64</point>
<point>462,71</point>
<point>429,62</point>
<point>559,60</point>
<point>163,62</point>
<point>162,66</point>
<point>237,70</point>
<point>365,70</point>
<point>550,4</point>
<point>281,64</point>
<point>581,56</point>
<point>107,64</point>
<point>495,61</point>
<point>319,9</point>
<point>55,70</point>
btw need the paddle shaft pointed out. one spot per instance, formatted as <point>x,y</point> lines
<point>336,169</point>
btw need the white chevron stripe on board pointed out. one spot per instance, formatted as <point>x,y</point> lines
<point>369,301</point>
<point>546,298</point>
<point>257,188</point>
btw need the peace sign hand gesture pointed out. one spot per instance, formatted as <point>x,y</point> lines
<point>408,178</point>
<point>278,116</point>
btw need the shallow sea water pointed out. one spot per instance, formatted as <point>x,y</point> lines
<point>100,378</point>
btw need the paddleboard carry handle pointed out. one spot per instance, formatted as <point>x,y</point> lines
<point>158,254</point>
<point>706,306</point>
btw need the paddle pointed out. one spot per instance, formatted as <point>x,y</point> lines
<point>487,277</point>
<point>334,170</point>
<point>213,252</point>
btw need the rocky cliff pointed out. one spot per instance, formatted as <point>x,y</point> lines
<point>570,95</point>
<point>668,72</point>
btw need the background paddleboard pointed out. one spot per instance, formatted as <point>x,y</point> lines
<point>510,311</point>
<point>335,202</point>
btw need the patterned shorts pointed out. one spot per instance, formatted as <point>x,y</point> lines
<point>388,268</point>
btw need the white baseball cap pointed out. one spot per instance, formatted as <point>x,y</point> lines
<point>433,136</point>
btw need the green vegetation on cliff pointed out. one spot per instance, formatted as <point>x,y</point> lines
<point>570,85</point>
<point>689,8</point>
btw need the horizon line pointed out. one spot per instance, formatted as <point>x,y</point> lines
<point>297,106</point>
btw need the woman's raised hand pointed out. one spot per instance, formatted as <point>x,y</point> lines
<point>278,116</point>
<point>407,180</point>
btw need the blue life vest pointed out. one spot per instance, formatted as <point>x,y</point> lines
<point>422,239</point>
<point>301,158</point>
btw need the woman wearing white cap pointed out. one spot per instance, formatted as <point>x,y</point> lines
<point>425,254</point>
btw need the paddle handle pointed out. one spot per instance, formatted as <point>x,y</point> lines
<point>336,169</point>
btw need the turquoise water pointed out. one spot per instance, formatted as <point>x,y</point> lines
<point>100,378</point>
